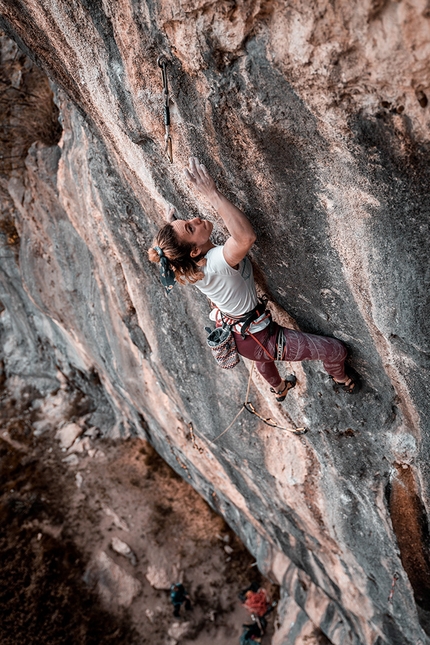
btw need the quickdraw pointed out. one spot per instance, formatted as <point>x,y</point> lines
<point>247,405</point>
<point>393,584</point>
<point>162,64</point>
<point>192,437</point>
<point>270,422</point>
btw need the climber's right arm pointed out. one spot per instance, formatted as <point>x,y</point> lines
<point>238,225</point>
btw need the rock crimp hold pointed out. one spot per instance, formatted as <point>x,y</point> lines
<point>112,583</point>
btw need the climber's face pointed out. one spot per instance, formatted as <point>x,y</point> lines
<point>195,231</point>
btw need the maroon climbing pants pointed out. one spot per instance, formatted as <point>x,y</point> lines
<point>297,347</point>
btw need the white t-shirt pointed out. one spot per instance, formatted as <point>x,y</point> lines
<point>231,290</point>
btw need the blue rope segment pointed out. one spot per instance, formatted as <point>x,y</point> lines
<point>167,274</point>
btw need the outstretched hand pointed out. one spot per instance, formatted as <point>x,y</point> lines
<point>200,178</point>
<point>171,213</point>
<point>241,232</point>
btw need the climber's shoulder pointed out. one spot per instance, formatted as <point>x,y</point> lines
<point>235,250</point>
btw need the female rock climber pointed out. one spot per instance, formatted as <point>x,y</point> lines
<point>224,274</point>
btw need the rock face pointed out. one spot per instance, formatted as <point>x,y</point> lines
<point>314,118</point>
<point>112,581</point>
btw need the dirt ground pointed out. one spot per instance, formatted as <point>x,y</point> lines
<point>66,514</point>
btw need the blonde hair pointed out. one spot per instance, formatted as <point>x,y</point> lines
<point>186,268</point>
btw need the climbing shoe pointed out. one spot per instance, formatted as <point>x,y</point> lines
<point>289,383</point>
<point>351,386</point>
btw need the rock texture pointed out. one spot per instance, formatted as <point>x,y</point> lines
<point>113,584</point>
<point>314,118</point>
<point>76,542</point>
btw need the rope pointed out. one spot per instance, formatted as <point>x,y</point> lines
<point>242,408</point>
<point>247,405</point>
<point>249,381</point>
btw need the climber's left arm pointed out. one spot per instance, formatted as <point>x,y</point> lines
<point>238,225</point>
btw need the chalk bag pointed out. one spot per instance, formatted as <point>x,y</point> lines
<point>223,346</point>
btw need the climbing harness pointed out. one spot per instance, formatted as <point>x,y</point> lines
<point>247,405</point>
<point>221,340</point>
<point>162,63</point>
<point>247,319</point>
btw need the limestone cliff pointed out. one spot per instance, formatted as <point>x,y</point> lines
<point>314,118</point>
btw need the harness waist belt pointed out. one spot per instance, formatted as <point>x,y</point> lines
<point>246,319</point>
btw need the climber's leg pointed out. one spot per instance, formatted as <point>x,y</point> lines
<point>250,349</point>
<point>298,347</point>
<point>269,372</point>
<point>332,352</point>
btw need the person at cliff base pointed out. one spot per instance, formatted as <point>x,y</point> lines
<point>251,634</point>
<point>257,603</point>
<point>178,596</point>
<point>186,254</point>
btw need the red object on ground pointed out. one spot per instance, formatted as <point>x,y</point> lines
<point>256,602</point>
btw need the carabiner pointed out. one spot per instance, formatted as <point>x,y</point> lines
<point>168,147</point>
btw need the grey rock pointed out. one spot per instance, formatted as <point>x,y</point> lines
<point>311,122</point>
<point>71,460</point>
<point>113,584</point>
<point>179,630</point>
<point>68,434</point>
<point>122,548</point>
